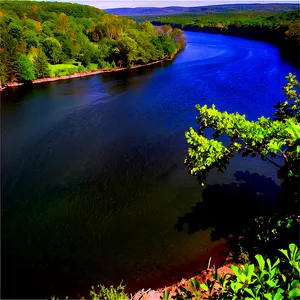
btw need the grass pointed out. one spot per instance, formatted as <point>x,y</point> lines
<point>94,66</point>
<point>63,69</point>
<point>58,67</point>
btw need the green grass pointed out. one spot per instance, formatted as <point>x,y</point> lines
<point>94,66</point>
<point>54,68</point>
<point>62,69</point>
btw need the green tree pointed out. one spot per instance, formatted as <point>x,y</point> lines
<point>127,50</point>
<point>15,30</point>
<point>52,49</point>
<point>41,66</point>
<point>68,47</point>
<point>30,38</point>
<point>87,55</point>
<point>147,27</point>
<point>8,59</point>
<point>265,137</point>
<point>63,23</point>
<point>26,68</point>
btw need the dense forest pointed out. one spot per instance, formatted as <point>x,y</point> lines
<point>50,39</point>
<point>281,29</point>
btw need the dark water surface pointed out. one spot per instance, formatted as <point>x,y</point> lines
<point>94,189</point>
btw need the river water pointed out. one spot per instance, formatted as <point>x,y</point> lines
<point>94,189</point>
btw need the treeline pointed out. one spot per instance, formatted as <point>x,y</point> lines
<point>44,39</point>
<point>237,19</point>
<point>282,29</point>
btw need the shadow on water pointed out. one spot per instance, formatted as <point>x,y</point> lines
<point>229,208</point>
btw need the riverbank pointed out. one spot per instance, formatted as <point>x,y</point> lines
<point>175,276</point>
<point>83,74</point>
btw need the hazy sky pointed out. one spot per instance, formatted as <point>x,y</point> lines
<point>144,3</point>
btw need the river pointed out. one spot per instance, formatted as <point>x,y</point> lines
<point>94,189</point>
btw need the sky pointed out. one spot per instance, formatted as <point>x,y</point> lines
<point>103,4</point>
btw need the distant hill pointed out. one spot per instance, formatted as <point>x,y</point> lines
<point>172,10</point>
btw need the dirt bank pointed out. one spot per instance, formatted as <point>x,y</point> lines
<point>172,277</point>
<point>220,259</point>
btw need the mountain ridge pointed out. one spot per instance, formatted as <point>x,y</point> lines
<point>170,10</point>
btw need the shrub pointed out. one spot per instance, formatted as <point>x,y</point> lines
<point>72,70</point>
<point>104,65</point>
<point>104,293</point>
<point>278,280</point>
<point>110,293</point>
<point>81,69</point>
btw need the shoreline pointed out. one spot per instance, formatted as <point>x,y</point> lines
<point>83,74</point>
<point>174,275</point>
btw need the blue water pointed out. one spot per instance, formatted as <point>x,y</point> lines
<point>94,189</point>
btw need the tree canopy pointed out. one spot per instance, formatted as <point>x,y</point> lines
<point>78,34</point>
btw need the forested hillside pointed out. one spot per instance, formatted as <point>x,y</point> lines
<point>211,9</point>
<point>282,29</point>
<point>46,39</point>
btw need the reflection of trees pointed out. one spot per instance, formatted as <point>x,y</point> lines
<point>230,208</point>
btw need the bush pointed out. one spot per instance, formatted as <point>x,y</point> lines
<point>278,280</point>
<point>104,65</point>
<point>61,72</point>
<point>110,293</point>
<point>72,70</point>
<point>57,73</point>
<point>104,293</point>
<point>81,69</point>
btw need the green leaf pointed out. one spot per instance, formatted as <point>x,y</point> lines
<point>284,252</point>
<point>261,261</point>
<point>250,292</point>
<point>204,287</point>
<point>268,296</point>
<point>294,293</point>
<point>278,296</point>
<point>294,283</point>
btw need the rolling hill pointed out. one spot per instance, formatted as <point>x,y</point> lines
<point>212,9</point>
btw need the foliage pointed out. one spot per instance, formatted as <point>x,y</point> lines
<point>26,68</point>
<point>104,293</point>
<point>41,65</point>
<point>8,59</point>
<point>65,32</point>
<point>110,293</point>
<point>272,227</point>
<point>265,137</point>
<point>265,280</point>
<point>52,49</point>
<point>237,19</point>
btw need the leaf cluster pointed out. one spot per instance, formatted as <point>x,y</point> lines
<point>263,280</point>
<point>267,137</point>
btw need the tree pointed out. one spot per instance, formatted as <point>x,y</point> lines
<point>147,27</point>
<point>68,48</point>
<point>63,23</point>
<point>265,137</point>
<point>179,37</point>
<point>52,49</point>
<point>87,55</point>
<point>26,68</point>
<point>128,49</point>
<point>30,38</point>
<point>8,59</point>
<point>41,66</point>
<point>15,30</point>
